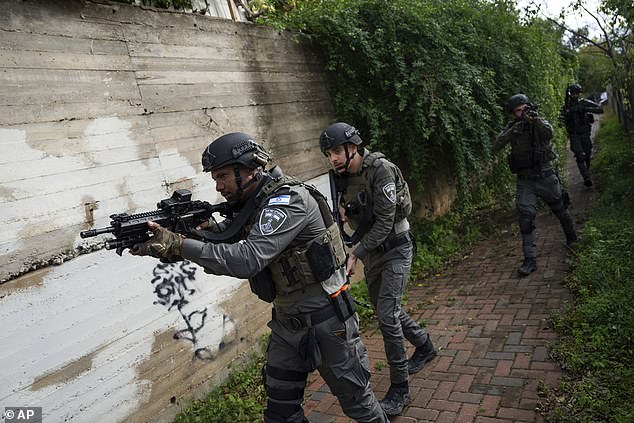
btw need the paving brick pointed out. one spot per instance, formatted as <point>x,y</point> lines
<point>489,405</point>
<point>424,414</point>
<point>516,414</point>
<point>507,381</point>
<point>443,390</point>
<point>446,417</point>
<point>465,397</point>
<point>443,405</point>
<point>467,413</point>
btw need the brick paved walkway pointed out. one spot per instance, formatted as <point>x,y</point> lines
<point>490,326</point>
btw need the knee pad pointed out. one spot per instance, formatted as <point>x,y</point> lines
<point>286,395</point>
<point>526,223</point>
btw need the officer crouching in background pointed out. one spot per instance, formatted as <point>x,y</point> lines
<point>284,240</point>
<point>373,198</point>
<point>531,160</point>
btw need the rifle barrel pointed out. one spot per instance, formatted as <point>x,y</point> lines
<point>94,232</point>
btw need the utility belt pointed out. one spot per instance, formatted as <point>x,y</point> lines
<point>537,176</point>
<point>341,305</point>
<point>397,241</point>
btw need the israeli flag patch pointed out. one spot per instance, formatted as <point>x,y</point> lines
<point>280,200</point>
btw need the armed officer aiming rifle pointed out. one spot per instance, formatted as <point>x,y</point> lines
<point>578,116</point>
<point>290,249</point>
<point>531,159</point>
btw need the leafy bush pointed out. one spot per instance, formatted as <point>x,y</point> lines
<point>596,341</point>
<point>240,399</point>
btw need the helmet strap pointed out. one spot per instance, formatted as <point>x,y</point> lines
<point>349,156</point>
<point>241,187</point>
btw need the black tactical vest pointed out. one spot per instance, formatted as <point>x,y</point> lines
<point>529,154</point>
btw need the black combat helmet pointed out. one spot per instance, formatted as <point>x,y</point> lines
<point>337,134</point>
<point>514,101</point>
<point>236,147</point>
<point>574,89</point>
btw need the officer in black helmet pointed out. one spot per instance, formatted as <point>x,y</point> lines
<point>531,160</point>
<point>289,247</point>
<point>373,198</point>
<point>578,116</point>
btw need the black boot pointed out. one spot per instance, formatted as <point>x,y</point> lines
<point>587,182</point>
<point>529,265</point>
<point>571,238</point>
<point>396,399</point>
<point>421,356</point>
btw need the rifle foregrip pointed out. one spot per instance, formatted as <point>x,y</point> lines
<point>113,244</point>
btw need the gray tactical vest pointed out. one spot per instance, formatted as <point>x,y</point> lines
<point>359,191</point>
<point>313,262</point>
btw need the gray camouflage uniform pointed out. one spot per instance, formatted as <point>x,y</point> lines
<point>531,159</point>
<point>288,218</point>
<point>578,120</point>
<point>386,252</point>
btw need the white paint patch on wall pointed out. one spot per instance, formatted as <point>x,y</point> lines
<point>73,343</point>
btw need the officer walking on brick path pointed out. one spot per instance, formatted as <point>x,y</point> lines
<point>578,117</point>
<point>374,199</point>
<point>287,244</point>
<point>531,159</point>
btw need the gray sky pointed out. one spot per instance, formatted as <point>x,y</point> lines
<point>552,8</point>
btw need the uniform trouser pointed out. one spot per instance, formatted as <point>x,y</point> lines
<point>386,276</point>
<point>344,366</point>
<point>528,191</point>
<point>581,146</point>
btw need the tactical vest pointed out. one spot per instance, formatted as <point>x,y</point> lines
<point>359,207</point>
<point>579,118</point>
<point>301,265</point>
<point>528,152</point>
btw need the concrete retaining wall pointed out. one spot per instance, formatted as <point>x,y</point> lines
<point>106,108</point>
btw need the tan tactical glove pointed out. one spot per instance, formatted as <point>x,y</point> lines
<point>164,244</point>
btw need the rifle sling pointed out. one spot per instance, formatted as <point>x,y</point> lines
<point>241,219</point>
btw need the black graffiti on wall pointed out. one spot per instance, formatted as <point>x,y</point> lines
<point>173,286</point>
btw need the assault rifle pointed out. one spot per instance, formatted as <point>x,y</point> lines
<point>335,196</point>
<point>178,213</point>
<point>530,111</point>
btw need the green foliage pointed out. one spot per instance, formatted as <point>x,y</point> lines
<point>425,81</point>
<point>367,315</point>
<point>240,399</point>
<point>597,335</point>
<point>594,70</point>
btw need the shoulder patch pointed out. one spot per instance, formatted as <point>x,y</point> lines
<point>271,219</point>
<point>390,192</point>
<point>279,200</point>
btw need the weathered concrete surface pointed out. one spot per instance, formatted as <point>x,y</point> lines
<point>93,341</point>
<point>106,108</point>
